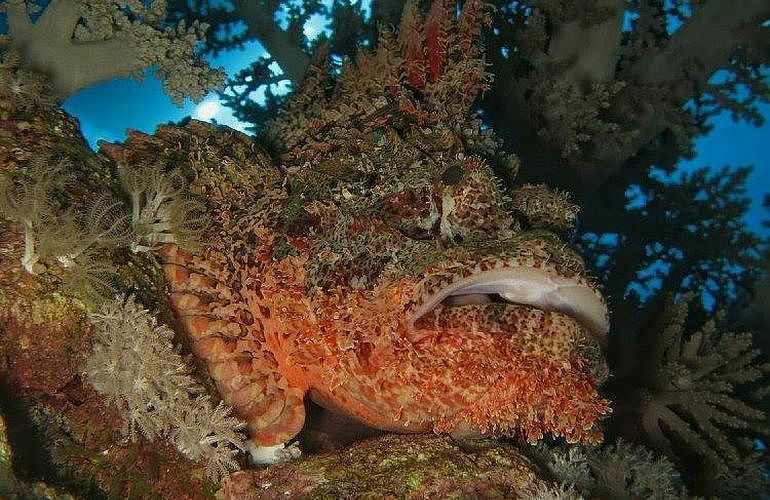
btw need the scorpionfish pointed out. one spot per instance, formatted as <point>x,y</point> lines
<point>374,262</point>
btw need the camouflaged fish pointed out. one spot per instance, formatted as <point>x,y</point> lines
<point>382,270</point>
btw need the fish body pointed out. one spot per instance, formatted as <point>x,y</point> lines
<point>375,263</point>
<point>403,334</point>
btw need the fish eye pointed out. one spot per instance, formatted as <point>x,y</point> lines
<point>453,175</point>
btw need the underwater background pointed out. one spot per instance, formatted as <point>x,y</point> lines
<point>384,249</point>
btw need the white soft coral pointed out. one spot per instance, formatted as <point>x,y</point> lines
<point>160,211</point>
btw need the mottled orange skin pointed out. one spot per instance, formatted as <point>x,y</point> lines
<point>489,368</point>
<point>384,197</point>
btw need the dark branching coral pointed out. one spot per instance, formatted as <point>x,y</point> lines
<point>575,118</point>
<point>584,87</point>
<point>558,65</point>
<point>685,400</point>
<point>137,367</point>
<point>748,478</point>
<point>658,243</point>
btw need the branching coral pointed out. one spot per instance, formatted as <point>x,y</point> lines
<point>75,241</point>
<point>622,470</point>
<point>28,200</point>
<point>544,492</point>
<point>688,398</point>
<point>20,90</point>
<point>91,233</point>
<point>562,62</point>
<point>574,118</point>
<point>103,224</point>
<point>137,367</point>
<point>617,471</point>
<point>72,240</point>
<point>77,43</point>
<point>748,478</point>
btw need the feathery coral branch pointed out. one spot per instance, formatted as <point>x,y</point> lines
<point>135,364</point>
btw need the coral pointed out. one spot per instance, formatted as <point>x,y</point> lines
<point>68,437</point>
<point>136,366</point>
<point>687,399</point>
<point>568,465</point>
<point>563,76</point>
<point>697,375</point>
<point>160,211</point>
<point>44,346</point>
<point>78,238</point>
<point>544,492</point>
<point>88,457</point>
<point>10,486</point>
<point>77,43</point>
<point>21,91</point>
<point>102,223</point>
<point>748,478</point>
<point>619,470</point>
<point>205,433</point>
<point>575,118</point>
<point>28,200</point>
<point>71,243</point>
<point>623,470</point>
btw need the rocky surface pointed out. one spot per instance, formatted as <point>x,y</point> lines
<point>394,466</point>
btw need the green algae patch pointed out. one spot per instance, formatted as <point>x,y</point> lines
<point>413,481</point>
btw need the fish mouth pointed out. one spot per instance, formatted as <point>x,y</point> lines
<point>529,286</point>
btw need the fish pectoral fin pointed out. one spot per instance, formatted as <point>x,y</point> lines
<point>269,455</point>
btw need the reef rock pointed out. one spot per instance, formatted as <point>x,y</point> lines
<point>394,466</point>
